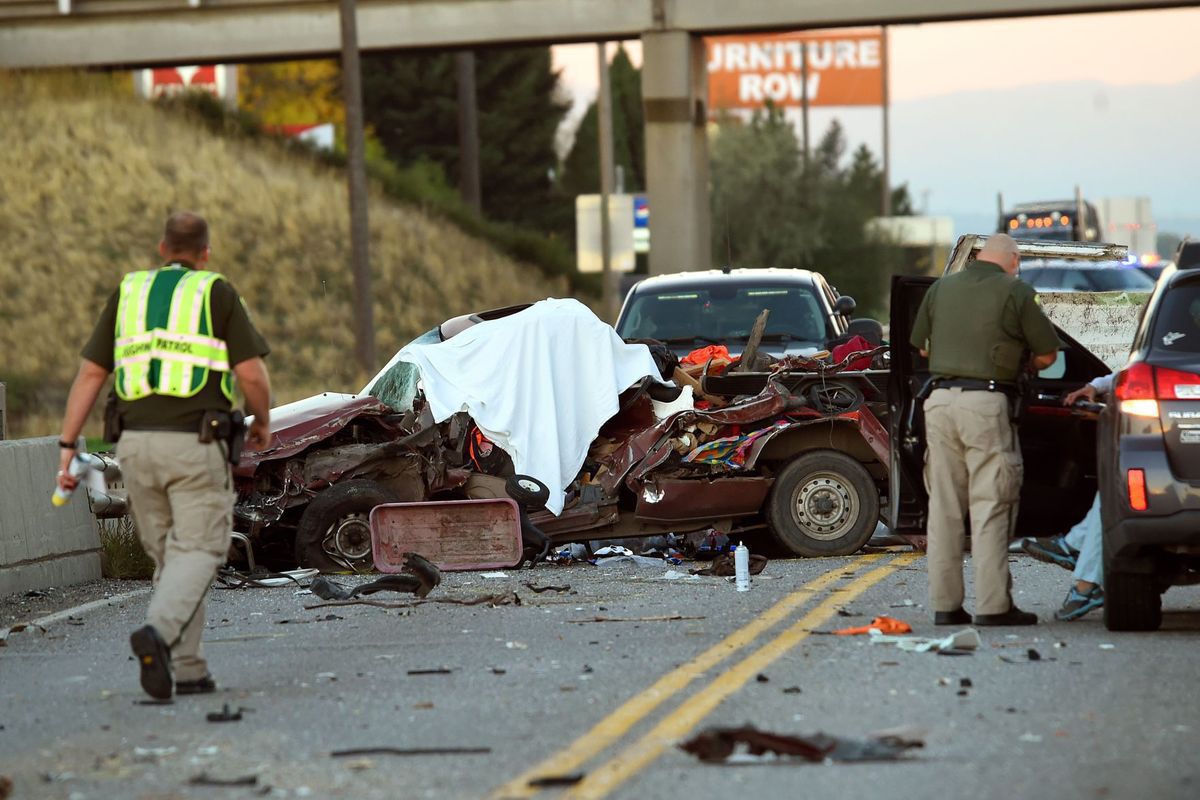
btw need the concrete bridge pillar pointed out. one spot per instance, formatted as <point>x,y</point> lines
<point>674,90</point>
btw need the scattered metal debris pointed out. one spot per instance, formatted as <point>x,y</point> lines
<point>225,714</point>
<point>204,779</point>
<point>663,618</point>
<point>549,781</point>
<point>539,589</point>
<point>410,751</point>
<point>503,599</point>
<point>718,745</point>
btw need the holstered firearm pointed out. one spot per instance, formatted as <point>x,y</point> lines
<point>228,427</point>
<point>113,425</point>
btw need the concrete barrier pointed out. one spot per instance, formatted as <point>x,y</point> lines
<point>1103,322</point>
<point>40,545</point>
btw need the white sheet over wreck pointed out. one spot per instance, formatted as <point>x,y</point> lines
<point>539,383</point>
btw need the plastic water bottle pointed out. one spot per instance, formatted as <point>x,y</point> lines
<point>80,464</point>
<point>741,567</point>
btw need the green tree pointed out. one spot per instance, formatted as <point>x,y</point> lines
<point>581,167</point>
<point>771,209</point>
<point>410,101</point>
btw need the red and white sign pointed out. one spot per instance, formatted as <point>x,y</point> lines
<point>845,68</point>
<point>169,81</point>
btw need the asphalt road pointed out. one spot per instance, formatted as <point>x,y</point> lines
<point>550,691</point>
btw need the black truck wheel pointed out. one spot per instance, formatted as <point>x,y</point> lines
<point>1132,602</point>
<point>334,534</point>
<point>822,504</point>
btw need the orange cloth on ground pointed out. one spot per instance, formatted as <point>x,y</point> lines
<point>881,624</point>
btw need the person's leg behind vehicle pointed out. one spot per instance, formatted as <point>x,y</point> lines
<point>1086,593</point>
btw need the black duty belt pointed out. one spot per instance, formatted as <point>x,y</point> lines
<point>975,385</point>
<point>165,428</point>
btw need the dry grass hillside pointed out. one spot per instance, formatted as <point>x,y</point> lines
<point>88,175</point>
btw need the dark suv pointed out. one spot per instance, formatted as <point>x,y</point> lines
<point>1149,458</point>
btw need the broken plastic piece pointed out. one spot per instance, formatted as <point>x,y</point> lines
<point>966,639</point>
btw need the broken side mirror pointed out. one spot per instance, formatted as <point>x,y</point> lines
<point>845,306</point>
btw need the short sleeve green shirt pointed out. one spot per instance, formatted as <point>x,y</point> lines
<point>978,323</point>
<point>231,322</point>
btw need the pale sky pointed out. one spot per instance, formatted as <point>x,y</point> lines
<point>1138,55</point>
<point>1140,47</point>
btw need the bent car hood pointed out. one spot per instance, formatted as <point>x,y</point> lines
<point>298,425</point>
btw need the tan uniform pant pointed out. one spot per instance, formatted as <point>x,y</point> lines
<point>972,464</point>
<point>182,500</point>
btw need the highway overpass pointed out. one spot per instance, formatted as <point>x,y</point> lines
<point>126,33</point>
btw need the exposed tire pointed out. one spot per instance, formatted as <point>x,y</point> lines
<point>530,493</point>
<point>822,504</point>
<point>1132,602</point>
<point>338,519</point>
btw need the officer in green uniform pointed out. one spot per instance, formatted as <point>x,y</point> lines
<point>176,337</point>
<point>976,327</point>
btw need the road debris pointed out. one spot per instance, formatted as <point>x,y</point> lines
<point>663,618</point>
<point>410,751</point>
<point>965,640</point>
<point>721,745</point>
<point>1107,646</point>
<point>225,715</point>
<point>493,600</point>
<point>793,690</point>
<point>550,781</point>
<point>539,589</point>
<point>878,625</point>
<point>151,755</point>
<point>20,626</point>
<point>723,566</point>
<point>6,787</point>
<point>204,779</point>
<point>433,671</point>
<point>420,577</point>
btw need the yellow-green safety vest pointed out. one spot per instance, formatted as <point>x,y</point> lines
<point>164,343</point>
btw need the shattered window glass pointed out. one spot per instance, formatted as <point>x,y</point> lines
<point>397,384</point>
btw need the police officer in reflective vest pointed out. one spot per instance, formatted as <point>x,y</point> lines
<point>177,337</point>
<point>976,327</point>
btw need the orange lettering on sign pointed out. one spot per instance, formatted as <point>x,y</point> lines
<point>845,68</point>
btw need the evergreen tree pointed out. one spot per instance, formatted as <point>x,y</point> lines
<point>411,103</point>
<point>771,210</point>
<point>581,167</point>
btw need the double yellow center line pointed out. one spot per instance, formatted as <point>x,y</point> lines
<point>674,726</point>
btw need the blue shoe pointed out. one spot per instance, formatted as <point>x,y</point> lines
<point>1077,603</point>
<point>1052,550</point>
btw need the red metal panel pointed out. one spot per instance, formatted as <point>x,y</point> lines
<point>455,535</point>
<point>681,500</point>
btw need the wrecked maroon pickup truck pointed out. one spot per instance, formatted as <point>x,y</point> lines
<point>794,450</point>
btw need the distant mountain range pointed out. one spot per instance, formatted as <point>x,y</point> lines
<point>1037,143</point>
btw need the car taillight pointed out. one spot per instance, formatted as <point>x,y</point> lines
<point>1135,390</point>
<point>1172,384</point>
<point>1141,386</point>
<point>1136,482</point>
